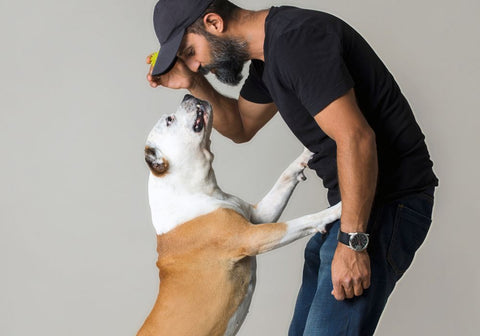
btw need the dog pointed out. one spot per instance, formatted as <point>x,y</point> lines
<point>207,239</point>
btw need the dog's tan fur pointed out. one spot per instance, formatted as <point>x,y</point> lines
<point>205,271</point>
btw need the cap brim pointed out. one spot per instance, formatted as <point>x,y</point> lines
<point>167,54</point>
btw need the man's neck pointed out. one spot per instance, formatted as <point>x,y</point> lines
<point>249,26</point>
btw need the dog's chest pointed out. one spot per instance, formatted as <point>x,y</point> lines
<point>171,207</point>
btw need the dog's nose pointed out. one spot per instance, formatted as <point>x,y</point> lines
<point>187,97</point>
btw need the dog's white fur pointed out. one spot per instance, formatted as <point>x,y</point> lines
<point>190,179</point>
<point>182,186</point>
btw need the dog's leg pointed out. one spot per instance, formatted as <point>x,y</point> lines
<point>265,237</point>
<point>272,205</point>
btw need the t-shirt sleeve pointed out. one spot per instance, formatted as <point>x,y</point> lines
<point>312,64</point>
<point>254,89</point>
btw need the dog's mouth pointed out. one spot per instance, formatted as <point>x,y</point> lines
<point>200,119</point>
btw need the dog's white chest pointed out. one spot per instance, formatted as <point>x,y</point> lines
<point>171,206</point>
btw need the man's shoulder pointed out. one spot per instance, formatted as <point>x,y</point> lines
<point>288,19</point>
<point>292,28</point>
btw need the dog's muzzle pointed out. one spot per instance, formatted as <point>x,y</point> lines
<point>201,106</point>
<point>200,120</point>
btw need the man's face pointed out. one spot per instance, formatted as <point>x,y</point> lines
<point>224,57</point>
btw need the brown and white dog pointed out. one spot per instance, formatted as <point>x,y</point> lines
<point>207,239</point>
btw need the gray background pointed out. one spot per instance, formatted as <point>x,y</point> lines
<point>77,248</point>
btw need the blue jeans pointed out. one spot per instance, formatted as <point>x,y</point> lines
<point>397,229</point>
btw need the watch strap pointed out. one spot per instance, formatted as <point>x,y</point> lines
<point>343,238</point>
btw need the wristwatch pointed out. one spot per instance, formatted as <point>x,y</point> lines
<point>357,241</point>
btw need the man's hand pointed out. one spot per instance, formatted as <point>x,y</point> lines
<point>179,77</point>
<point>350,272</point>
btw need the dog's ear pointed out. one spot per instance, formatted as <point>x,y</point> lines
<point>155,160</point>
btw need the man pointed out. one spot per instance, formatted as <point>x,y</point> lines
<point>341,102</point>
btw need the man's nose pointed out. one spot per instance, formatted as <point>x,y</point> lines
<point>192,64</point>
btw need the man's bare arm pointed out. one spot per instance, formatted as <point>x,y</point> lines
<point>237,119</point>
<point>343,121</point>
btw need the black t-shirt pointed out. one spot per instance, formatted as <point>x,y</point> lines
<point>313,58</point>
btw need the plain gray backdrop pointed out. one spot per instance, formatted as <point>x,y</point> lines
<point>77,247</point>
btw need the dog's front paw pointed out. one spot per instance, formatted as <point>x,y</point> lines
<point>298,166</point>
<point>328,216</point>
<point>322,229</point>
<point>305,156</point>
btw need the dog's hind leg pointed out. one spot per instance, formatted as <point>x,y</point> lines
<point>272,205</point>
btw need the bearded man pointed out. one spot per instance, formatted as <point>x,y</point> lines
<point>342,103</point>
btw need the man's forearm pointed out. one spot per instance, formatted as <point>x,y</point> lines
<point>227,119</point>
<point>357,174</point>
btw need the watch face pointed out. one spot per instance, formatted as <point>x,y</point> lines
<point>359,241</point>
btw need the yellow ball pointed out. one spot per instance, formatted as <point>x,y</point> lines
<point>153,58</point>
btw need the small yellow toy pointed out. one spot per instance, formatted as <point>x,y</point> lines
<point>153,58</point>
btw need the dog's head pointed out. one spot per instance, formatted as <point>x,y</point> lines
<point>181,140</point>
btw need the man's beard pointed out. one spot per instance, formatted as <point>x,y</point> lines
<point>228,57</point>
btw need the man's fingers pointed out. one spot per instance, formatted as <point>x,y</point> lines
<point>150,81</point>
<point>358,288</point>
<point>348,288</point>
<point>338,292</point>
<point>154,81</point>
<point>339,295</point>
<point>366,283</point>
<point>349,292</point>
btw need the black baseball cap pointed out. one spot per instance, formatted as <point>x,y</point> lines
<point>170,20</point>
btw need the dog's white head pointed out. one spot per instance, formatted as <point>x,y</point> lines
<point>182,183</point>
<point>179,143</point>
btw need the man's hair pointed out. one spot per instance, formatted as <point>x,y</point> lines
<point>224,8</point>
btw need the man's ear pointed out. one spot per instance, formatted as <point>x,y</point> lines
<point>214,23</point>
<point>156,161</point>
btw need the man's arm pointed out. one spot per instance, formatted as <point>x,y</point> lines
<point>237,119</point>
<point>343,121</point>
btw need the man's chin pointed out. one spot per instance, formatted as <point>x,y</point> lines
<point>228,78</point>
<point>231,82</point>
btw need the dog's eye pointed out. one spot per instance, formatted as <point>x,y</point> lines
<point>169,120</point>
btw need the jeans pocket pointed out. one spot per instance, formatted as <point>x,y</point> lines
<point>410,229</point>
